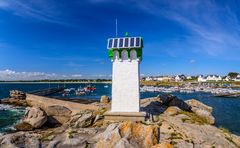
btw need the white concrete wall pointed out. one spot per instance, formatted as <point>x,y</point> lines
<point>125,84</point>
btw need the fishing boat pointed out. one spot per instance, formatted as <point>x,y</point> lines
<point>228,95</point>
<point>80,91</point>
<point>89,88</point>
<point>68,91</point>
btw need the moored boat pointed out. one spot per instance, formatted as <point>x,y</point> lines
<point>89,88</point>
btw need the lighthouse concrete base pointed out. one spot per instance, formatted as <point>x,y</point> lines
<point>124,116</point>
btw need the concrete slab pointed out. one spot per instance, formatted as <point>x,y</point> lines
<point>124,116</point>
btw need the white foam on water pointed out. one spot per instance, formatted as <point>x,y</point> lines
<point>4,107</point>
<point>17,111</point>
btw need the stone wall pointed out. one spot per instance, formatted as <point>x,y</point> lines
<point>45,102</point>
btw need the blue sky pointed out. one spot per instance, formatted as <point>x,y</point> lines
<point>67,39</point>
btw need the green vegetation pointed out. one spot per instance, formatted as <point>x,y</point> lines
<point>228,135</point>
<point>224,130</point>
<point>173,142</point>
<point>47,136</point>
<point>64,81</point>
<point>159,83</point>
<point>193,118</point>
<point>185,119</point>
<point>175,135</point>
<point>193,82</point>
<point>189,141</point>
<point>70,133</point>
<point>100,111</point>
<point>143,82</point>
<point>230,140</point>
<point>232,74</point>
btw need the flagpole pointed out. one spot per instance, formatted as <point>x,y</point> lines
<point>116,28</point>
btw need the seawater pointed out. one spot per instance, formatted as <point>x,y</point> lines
<point>225,110</point>
<point>9,116</point>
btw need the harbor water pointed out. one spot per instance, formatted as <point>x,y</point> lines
<point>225,110</point>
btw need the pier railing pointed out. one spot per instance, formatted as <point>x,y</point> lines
<point>46,92</point>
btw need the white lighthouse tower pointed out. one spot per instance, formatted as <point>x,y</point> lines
<point>126,55</point>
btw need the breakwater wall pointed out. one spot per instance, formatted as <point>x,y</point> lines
<point>44,102</point>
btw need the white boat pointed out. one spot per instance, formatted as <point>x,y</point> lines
<point>67,92</point>
<point>106,86</point>
<point>80,91</point>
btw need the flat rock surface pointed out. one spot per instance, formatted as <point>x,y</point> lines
<point>167,126</point>
<point>183,134</point>
<point>201,110</point>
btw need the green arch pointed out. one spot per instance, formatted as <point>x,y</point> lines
<point>138,51</point>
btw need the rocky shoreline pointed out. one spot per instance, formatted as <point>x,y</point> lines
<point>170,122</point>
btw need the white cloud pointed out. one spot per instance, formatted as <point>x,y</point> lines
<point>107,1</point>
<point>192,61</point>
<point>74,65</point>
<point>100,76</point>
<point>46,11</point>
<point>9,75</point>
<point>3,4</point>
<point>77,76</point>
<point>213,28</point>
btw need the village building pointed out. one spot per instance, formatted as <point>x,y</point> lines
<point>148,79</point>
<point>164,78</point>
<point>214,78</point>
<point>237,79</point>
<point>160,78</point>
<point>201,78</point>
<point>180,78</point>
<point>227,78</point>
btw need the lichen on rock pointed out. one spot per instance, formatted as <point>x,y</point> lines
<point>82,119</point>
<point>137,135</point>
<point>105,99</point>
<point>201,110</point>
<point>171,126</point>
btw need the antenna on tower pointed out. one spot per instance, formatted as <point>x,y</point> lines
<point>116,28</point>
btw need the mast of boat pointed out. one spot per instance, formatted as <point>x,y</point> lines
<point>48,82</point>
<point>116,28</point>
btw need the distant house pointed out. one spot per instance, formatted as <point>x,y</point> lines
<point>189,77</point>
<point>159,78</point>
<point>164,78</point>
<point>148,78</point>
<point>219,78</point>
<point>201,78</point>
<point>227,78</point>
<point>237,79</point>
<point>180,78</point>
<point>214,78</point>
